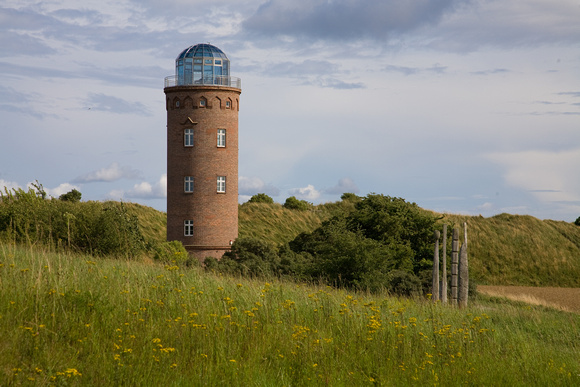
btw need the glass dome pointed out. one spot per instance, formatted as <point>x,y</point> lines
<point>202,64</point>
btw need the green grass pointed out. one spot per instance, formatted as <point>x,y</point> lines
<point>74,320</point>
<point>503,249</point>
<point>521,250</point>
<point>276,224</point>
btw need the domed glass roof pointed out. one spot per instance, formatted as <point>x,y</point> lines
<point>202,64</point>
<point>202,50</point>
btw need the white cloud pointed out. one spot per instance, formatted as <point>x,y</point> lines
<point>61,189</point>
<point>9,185</point>
<point>111,173</point>
<point>307,193</point>
<point>548,176</point>
<point>146,190</point>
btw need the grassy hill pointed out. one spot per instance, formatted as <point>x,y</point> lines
<point>73,320</point>
<point>503,249</point>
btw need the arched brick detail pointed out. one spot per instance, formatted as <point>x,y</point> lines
<point>188,103</point>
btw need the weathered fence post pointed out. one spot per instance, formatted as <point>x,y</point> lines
<point>463,271</point>
<point>454,262</point>
<point>443,291</point>
<point>435,291</point>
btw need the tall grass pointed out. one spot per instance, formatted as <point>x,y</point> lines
<point>75,320</point>
<point>275,224</point>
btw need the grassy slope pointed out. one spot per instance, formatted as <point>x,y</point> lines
<point>276,224</point>
<point>76,321</point>
<point>522,250</point>
<point>503,249</point>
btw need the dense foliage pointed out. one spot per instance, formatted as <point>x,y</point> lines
<point>261,198</point>
<point>99,228</point>
<point>73,195</point>
<point>296,204</point>
<point>384,243</point>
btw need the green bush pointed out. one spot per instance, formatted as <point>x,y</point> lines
<point>261,198</point>
<point>250,257</point>
<point>92,227</point>
<point>71,196</point>
<point>577,222</point>
<point>295,204</point>
<point>171,252</point>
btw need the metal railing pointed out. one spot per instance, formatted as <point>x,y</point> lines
<point>174,80</point>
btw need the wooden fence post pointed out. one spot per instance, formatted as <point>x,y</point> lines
<point>463,271</point>
<point>454,263</point>
<point>443,291</point>
<point>435,290</point>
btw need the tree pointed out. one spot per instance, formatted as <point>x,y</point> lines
<point>71,196</point>
<point>295,204</point>
<point>395,221</point>
<point>261,198</point>
<point>577,222</point>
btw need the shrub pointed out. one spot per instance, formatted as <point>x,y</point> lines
<point>403,283</point>
<point>171,252</point>
<point>71,196</point>
<point>250,256</point>
<point>577,222</point>
<point>295,204</point>
<point>91,227</point>
<point>261,198</point>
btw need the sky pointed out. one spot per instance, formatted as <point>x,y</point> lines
<point>466,107</point>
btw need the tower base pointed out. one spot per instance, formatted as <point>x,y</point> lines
<point>202,252</point>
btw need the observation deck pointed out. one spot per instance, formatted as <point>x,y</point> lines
<point>213,80</point>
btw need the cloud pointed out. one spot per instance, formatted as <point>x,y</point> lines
<point>16,102</point>
<point>571,93</point>
<point>143,190</point>
<point>333,83</point>
<point>513,24</point>
<point>344,19</point>
<point>249,186</point>
<point>111,173</point>
<point>61,189</point>
<point>109,103</point>
<point>436,68</point>
<point>9,185</point>
<point>491,72</point>
<point>344,185</point>
<point>549,176</point>
<point>306,193</point>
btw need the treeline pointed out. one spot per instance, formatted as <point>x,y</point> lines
<point>379,242</point>
<point>97,228</point>
<point>371,243</point>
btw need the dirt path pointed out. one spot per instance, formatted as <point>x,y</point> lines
<point>560,298</point>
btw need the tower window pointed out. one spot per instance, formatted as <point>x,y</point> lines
<point>221,138</point>
<point>188,228</point>
<point>228,104</point>
<point>188,184</point>
<point>188,137</point>
<point>221,184</point>
<point>202,102</point>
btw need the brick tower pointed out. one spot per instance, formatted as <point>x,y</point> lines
<point>202,103</point>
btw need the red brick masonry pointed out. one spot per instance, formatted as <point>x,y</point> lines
<point>204,109</point>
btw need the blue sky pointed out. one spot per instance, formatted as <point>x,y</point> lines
<point>468,107</point>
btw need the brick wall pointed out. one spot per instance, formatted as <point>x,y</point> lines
<point>214,215</point>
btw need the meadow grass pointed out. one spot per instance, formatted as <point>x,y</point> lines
<point>75,320</point>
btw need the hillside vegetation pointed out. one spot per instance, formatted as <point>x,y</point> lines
<point>503,249</point>
<point>74,320</point>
